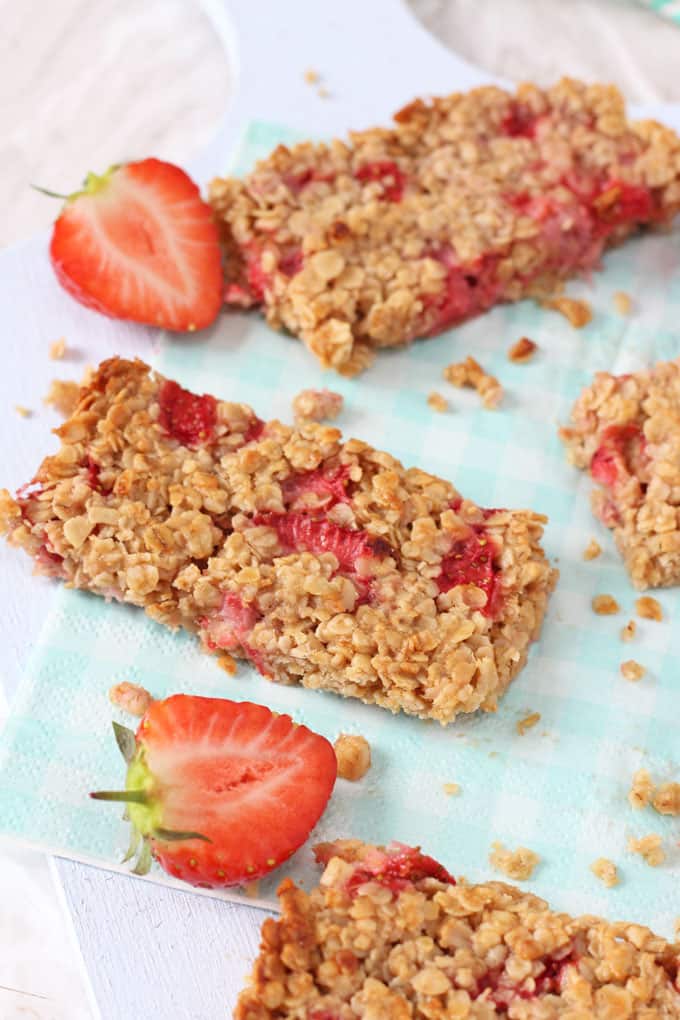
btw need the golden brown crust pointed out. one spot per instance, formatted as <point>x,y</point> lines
<point>435,951</point>
<point>467,200</point>
<point>325,562</point>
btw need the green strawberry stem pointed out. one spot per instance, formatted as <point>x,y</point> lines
<point>129,796</point>
<point>46,191</point>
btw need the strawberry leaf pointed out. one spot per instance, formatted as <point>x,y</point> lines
<point>126,740</point>
<point>175,836</point>
<point>143,865</point>
<point>134,845</point>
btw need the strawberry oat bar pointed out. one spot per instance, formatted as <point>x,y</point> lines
<point>323,562</point>
<point>466,201</point>
<point>626,430</point>
<point>389,935</point>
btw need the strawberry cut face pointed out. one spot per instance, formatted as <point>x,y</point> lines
<point>187,417</point>
<point>224,792</point>
<point>396,869</point>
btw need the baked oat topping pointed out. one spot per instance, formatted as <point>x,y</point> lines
<point>518,864</point>
<point>470,373</point>
<point>579,313</point>
<point>605,605</point>
<point>623,303</point>
<point>628,631</point>
<point>23,412</point>
<point>626,431</point>
<point>642,789</point>
<point>384,938</point>
<point>632,670</point>
<point>528,722</point>
<point>130,698</point>
<point>437,402</point>
<point>324,562</point>
<point>452,789</point>
<point>317,405</point>
<point>648,608</point>
<point>63,396</point>
<point>465,201</point>
<point>592,550</point>
<point>58,349</point>
<point>522,350</point>
<point>667,799</point>
<point>649,848</point>
<point>354,756</point>
<point>606,871</point>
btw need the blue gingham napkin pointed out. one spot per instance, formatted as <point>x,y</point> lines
<point>561,788</point>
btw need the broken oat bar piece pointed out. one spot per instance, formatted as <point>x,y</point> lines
<point>626,430</point>
<point>322,561</point>
<point>465,201</point>
<point>388,934</point>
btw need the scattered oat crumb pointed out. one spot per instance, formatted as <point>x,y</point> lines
<point>437,402</point>
<point>227,662</point>
<point>632,670</point>
<point>528,722</point>
<point>323,93</point>
<point>677,928</point>
<point>628,632</point>
<point>648,608</point>
<point>354,756</point>
<point>578,312</point>
<point>592,550</point>
<point>605,605</point>
<point>252,889</point>
<point>623,303</point>
<point>605,870</point>
<point>451,789</point>
<point>667,799</point>
<point>63,396</point>
<point>311,76</point>
<point>518,864</point>
<point>23,412</point>
<point>130,698</point>
<point>649,848</point>
<point>522,350</point>
<point>58,349</point>
<point>470,373</point>
<point>641,790</point>
<point>317,405</point>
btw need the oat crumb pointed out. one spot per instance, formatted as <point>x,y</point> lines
<point>317,405</point>
<point>227,662</point>
<point>58,349</point>
<point>578,312</point>
<point>470,373</point>
<point>605,870</point>
<point>528,722</point>
<point>677,929</point>
<point>649,848</point>
<point>63,396</point>
<point>252,889</point>
<point>130,698</point>
<point>354,756</point>
<point>632,670</point>
<point>311,76</point>
<point>437,402</point>
<point>451,789</point>
<point>323,93</point>
<point>517,864</point>
<point>623,303</point>
<point>648,608</point>
<point>667,799</point>
<point>23,412</point>
<point>522,350</point>
<point>641,790</point>
<point>628,632</point>
<point>605,605</point>
<point>592,550</point>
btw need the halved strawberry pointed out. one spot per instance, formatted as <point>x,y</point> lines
<point>139,243</point>
<point>220,792</point>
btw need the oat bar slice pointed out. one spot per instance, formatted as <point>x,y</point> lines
<point>389,935</point>
<point>323,561</point>
<point>626,430</point>
<point>465,201</point>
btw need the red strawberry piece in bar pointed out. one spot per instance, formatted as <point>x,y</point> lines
<point>187,417</point>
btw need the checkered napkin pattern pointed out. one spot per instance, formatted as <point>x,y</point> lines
<point>560,788</point>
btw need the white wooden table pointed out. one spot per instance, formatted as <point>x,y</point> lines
<point>150,950</point>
